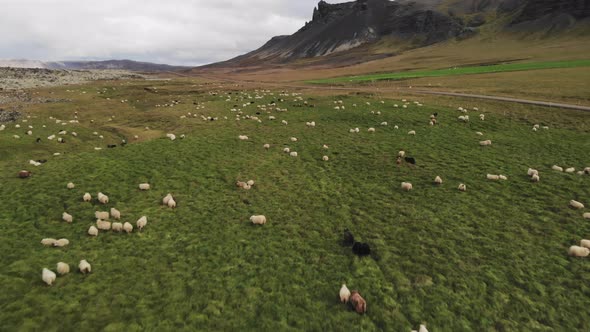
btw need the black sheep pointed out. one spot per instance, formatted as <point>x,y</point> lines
<point>348,238</point>
<point>410,160</point>
<point>361,249</point>
<point>110,146</point>
<point>38,140</point>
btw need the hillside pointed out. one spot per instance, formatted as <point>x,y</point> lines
<point>87,65</point>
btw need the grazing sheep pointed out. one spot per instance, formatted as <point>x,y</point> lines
<point>266,146</point>
<point>144,186</point>
<point>171,203</point>
<point>116,214</point>
<point>578,251</point>
<point>117,227</point>
<point>103,225</point>
<point>412,132</point>
<point>406,186</point>
<point>422,328</point>
<point>585,243</point>
<point>348,238</point>
<point>84,266</point>
<point>325,146</point>
<point>535,178</point>
<point>101,215</point>
<point>485,143</point>
<point>586,215</point>
<point>438,180</point>
<point>293,154</point>
<point>166,199</point>
<point>325,158</point>
<point>63,268</point>
<point>361,249</point>
<point>503,177</point>
<point>172,137</point>
<point>24,174</point>
<point>239,184</point>
<point>93,231</point>
<point>250,182</point>
<point>410,160</point>
<point>532,172</point>
<point>384,123</point>
<point>48,276</point>
<point>293,139</point>
<point>61,243</point>
<point>71,185</point>
<point>104,199</point>
<point>87,197</point>
<point>462,187</point>
<point>401,154</point>
<point>371,130</point>
<point>48,242</point>
<point>557,168</point>
<point>141,222</point>
<point>258,220</point>
<point>482,117</point>
<point>284,122</point>
<point>492,177</point>
<point>344,294</point>
<point>479,133</point>
<point>570,170</point>
<point>67,217</point>
<point>576,204</point>
<point>127,227</point>
<point>286,150</point>
<point>358,303</point>
<point>243,137</point>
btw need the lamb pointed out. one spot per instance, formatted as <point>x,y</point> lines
<point>63,268</point>
<point>171,203</point>
<point>144,186</point>
<point>577,251</point>
<point>462,187</point>
<point>48,242</point>
<point>482,117</point>
<point>101,215</point>
<point>293,154</point>
<point>243,137</point>
<point>438,180</point>
<point>48,276</point>
<point>67,217</point>
<point>70,185</point>
<point>258,220</point>
<point>535,178</point>
<point>358,303</point>
<point>103,225</point>
<point>576,204</point>
<point>61,243</point>
<point>166,199</point>
<point>93,231</point>
<point>104,199</point>
<point>406,186</point>
<point>127,227</point>
<point>485,143</point>
<point>250,182</point>
<point>117,227</point>
<point>585,243</point>
<point>116,214</point>
<point>401,154</point>
<point>325,158</point>
<point>141,222</point>
<point>532,172</point>
<point>84,266</point>
<point>87,197</point>
<point>344,294</point>
<point>557,168</point>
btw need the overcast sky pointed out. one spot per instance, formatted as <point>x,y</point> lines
<point>181,32</point>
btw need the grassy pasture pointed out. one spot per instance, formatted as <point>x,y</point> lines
<point>493,258</point>
<point>456,71</point>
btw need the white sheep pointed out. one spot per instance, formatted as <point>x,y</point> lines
<point>485,143</point>
<point>171,203</point>
<point>503,177</point>
<point>141,222</point>
<point>371,130</point>
<point>70,185</point>
<point>84,266</point>
<point>401,153</point>
<point>586,215</point>
<point>576,204</point>
<point>406,186</point>
<point>570,170</point>
<point>63,268</point>
<point>293,139</point>
<point>48,276</point>
<point>266,146</point>
<point>535,178</point>
<point>104,199</point>
<point>166,199</point>
<point>258,220</point>
<point>578,251</point>
<point>172,137</point>
<point>585,243</point>
<point>101,215</point>
<point>344,294</point>
<point>243,137</point>
<point>438,180</point>
<point>384,123</point>
<point>293,154</point>
<point>557,168</point>
<point>93,231</point>
<point>87,197</point>
<point>144,186</point>
<point>127,227</point>
<point>48,242</point>
<point>422,328</point>
<point>325,146</point>
<point>286,150</point>
<point>532,172</point>
<point>67,217</point>
<point>250,182</point>
<point>284,122</point>
<point>482,117</point>
<point>412,132</point>
<point>479,133</point>
<point>61,243</point>
<point>117,227</point>
<point>116,214</point>
<point>325,158</point>
<point>462,187</point>
<point>103,225</point>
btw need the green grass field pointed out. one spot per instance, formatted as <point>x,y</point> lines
<point>493,258</point>
<point>467,70</point>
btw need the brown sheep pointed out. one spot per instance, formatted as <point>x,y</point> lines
<point>358,303</point>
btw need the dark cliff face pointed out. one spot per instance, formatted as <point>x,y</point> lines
<point>535,9</point>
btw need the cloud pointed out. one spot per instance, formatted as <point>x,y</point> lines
<point>174,31</point>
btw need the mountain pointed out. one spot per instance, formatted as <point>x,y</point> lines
<point>364,30</point>
<point>87,65</point>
